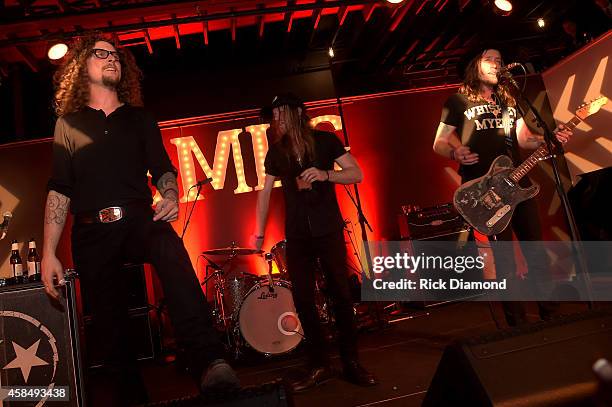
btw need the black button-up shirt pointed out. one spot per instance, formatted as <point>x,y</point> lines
<point>308,213</point>
<point>101,161</point>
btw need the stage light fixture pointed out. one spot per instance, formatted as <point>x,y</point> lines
<point>541,22</point>
<point>502,7</point>
<point>331,52</point>
<point>57,51</point>
<point>394,1</point>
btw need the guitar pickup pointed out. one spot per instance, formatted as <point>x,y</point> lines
<point>490,199</point>
<point>498,215</point>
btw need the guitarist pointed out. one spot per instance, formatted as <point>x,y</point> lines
<point>479,123</point>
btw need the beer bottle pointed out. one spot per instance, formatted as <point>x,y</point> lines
<point>16,263</point>
<point>33,262</point>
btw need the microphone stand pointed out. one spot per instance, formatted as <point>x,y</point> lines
<point>192,208</point>
<point>375,308</point>
<point>5,224</point>
<point>551,143</point>
<point>363,221</point>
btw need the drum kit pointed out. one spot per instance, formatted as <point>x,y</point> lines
<point>254,312</point>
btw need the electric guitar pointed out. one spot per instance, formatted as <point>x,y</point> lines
<point>487,203</point>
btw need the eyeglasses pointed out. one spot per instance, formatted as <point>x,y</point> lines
<point>104,53</point>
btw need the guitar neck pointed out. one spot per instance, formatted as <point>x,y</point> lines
<point>542,151</point>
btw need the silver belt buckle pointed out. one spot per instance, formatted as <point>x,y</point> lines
<point>110,214</point>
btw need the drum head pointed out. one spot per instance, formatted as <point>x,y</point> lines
<point>268,321</point>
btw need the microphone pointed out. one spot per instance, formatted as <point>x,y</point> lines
<point>505,70</point>
<point>5,224</point>
<point>203,182</point>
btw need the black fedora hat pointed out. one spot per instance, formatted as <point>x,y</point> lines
<point>282,99</point>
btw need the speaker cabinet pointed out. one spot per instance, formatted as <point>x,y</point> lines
<point>140,331</point>
<point>136,288</point>
<point>39,342</point>
<point>139,335</point>
<point>452,244</point>
<point>545,364</point>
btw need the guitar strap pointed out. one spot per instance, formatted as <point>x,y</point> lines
<point>509,141</point>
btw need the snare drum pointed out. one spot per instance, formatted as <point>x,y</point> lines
<point>267,320</point>
<point>235,289</point>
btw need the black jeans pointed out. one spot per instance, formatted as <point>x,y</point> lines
<point>525,224</point>
<point>99,251</point>
<point>301,258</point>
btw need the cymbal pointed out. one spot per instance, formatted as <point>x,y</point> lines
<point>232,251</point>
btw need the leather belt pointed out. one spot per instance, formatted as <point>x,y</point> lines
<point>107,215</point>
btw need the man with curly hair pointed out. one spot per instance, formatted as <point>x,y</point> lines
<point>478,124</point>
<point>104,145</point>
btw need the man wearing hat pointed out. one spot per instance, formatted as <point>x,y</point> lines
<point>479,123</point>
<point>303,159</point>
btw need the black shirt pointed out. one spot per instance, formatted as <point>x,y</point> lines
<point>308,213</point>
<point>480,126</point>
<point>101,161</point>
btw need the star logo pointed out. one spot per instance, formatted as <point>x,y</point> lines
<point>35,354</point>
<point>26,359</point>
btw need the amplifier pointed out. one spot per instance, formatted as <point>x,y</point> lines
<point>421,223</point>
<point>141,337</point>
<point>133,275</point>
<point>458,244</point>
<point>39,344</point>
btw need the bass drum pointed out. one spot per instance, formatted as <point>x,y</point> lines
<point>267,320</point>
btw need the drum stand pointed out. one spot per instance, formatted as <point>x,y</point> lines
<point>224,318</point>
<point>218,304</point>
<point>219,311</point>
<point>374,309</point>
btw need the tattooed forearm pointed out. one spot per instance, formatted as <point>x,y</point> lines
<point>167,186</point>
<point>56,212</point>
<point>57,208</point>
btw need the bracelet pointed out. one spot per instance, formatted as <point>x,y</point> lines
<point>452,155</point>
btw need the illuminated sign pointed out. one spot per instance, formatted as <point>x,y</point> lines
<point>187,148</point>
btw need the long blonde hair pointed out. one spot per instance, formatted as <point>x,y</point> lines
<point>72,79</point>
<point>298,142</point>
